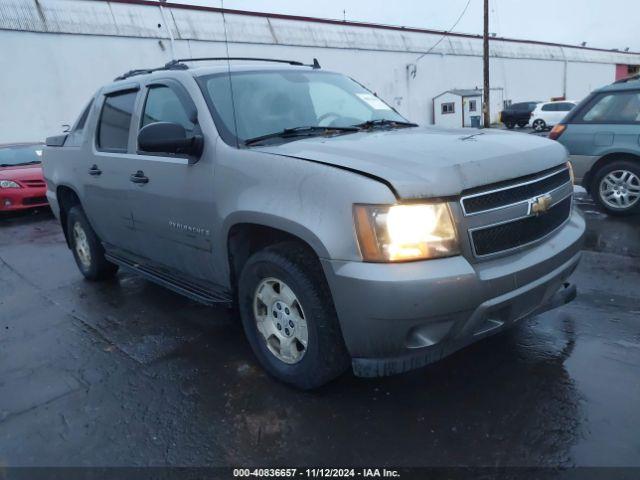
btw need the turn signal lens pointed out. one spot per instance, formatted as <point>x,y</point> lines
<point>571,174</point>
<point>556,131</point>
<point>395,233</point>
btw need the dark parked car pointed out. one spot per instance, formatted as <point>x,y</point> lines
<point>602,135</point>
<point>517,114</point>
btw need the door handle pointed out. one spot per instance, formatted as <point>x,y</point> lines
<point>95,171</point>
<point>139,177</point>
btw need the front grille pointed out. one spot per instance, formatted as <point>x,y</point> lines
<point>34,183</point>
<point>509,195</point>
<point>34,200</point>
<point>520,232</point>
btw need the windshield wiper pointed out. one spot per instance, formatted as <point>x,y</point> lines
<point>19,164</point>
<point>383,122</point>
<point>301,132</point>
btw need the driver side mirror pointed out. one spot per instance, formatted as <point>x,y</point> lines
<point>169,137</point>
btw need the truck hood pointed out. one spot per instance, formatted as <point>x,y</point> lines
<point>430,162</point>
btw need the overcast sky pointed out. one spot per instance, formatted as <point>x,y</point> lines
<point>600,23</point>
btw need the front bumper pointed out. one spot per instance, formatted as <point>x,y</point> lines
<point>396,317</point>
<point>12,199</point>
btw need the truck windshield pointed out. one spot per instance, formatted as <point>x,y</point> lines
<point>249,105</point>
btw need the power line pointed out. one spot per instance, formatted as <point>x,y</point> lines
<point>446,32</point>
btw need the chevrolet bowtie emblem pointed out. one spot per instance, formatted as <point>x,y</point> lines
<point>539,205</point>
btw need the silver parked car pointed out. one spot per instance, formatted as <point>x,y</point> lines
<point>346,234</point>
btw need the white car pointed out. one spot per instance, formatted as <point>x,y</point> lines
<point>547,114</point>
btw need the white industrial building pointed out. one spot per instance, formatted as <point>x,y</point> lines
<point>56,53</point>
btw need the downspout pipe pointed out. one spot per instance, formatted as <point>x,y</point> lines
<point>564,74</point>
<point>166,24</point>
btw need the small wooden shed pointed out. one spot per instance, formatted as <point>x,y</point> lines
<point>458,108</point>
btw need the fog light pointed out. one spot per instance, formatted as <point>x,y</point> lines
<point>7,202</point>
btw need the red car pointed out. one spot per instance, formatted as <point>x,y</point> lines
<point>21,182</point>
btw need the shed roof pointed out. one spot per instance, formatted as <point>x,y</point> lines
<point>462,92</point>
<point>466,92</point>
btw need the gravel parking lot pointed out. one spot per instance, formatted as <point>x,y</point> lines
<point>128,373</point>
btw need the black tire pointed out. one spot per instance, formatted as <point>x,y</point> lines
<point>325,357</point>
<point>510,125</point>
<point>522,124</point>
<point>539,125</point>
<point>616,165</point>
<point>95,266</point>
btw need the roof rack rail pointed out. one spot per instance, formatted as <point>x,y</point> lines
<point>178,63</point>
<point>628,79</point>
<point>140,71</point>
<point>132,73</point>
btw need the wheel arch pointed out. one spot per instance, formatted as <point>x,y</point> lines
<point>603,160</point>
<point>67,198</point>
<point>247,233</point>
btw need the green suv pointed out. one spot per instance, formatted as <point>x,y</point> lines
<point>602,135</point>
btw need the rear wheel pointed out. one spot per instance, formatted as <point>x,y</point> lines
<point>539,125</point>
<point>510,125</point>
<point>289,318</point>
<point>87,248</point>
<point>522,124</point>
<point>616,187</point>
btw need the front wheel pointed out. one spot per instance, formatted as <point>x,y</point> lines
<point>510,125</point>
<point>87,248</point>
<point>616,187</point>
<point>289,317</point>
<point>522,124</point>
<point>539,125</point>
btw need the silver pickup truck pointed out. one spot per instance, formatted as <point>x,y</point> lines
<point>345,234</point>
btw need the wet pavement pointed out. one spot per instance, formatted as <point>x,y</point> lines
<point>128,373</point>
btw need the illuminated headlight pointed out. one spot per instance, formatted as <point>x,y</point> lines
<point>395,233</point>
<point>8,184</point>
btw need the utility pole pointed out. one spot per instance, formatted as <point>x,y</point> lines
<point>485,61</point>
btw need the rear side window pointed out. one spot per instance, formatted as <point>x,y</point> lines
<point>163,105</point>
<point>564,107</point>
<point>115,121</point>
<point>549,107</point>
<point>621,107</point>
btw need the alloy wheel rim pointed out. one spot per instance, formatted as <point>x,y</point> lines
<point>537,125</point>
<point>81,245</point>
<point>280,320</point>
<point>620,189</point>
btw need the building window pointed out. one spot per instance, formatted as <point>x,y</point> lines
<point>448,108</point>
<point>472,105</point>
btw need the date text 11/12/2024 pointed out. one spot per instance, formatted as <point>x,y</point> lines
<point>316,472</point>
